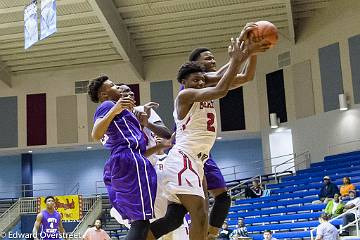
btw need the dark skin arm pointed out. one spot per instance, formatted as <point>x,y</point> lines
<point>188,96</point>
<point>102,124</point>
<point>37,225</point>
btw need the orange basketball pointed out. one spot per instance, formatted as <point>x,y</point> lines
<point>267,30</point>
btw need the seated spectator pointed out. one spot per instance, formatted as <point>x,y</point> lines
<point>350,214</point>
<point>224,232</point>
<point>326,231</point>
<point>240,231</point>
<point>334,207</point>
<point>255,191</point>
<point>327,191</point>
<point>346,187</point>
<point>268,235</point>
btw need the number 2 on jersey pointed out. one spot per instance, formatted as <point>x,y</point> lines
<point>210,122</point>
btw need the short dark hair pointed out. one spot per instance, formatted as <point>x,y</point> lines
<point>94,86</point>
<point>195,54</point>
<point>325,216</point>
<point>48,197</point>
<point>268,231</point>
<point>187,69</point>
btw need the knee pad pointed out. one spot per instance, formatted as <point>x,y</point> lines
<point>220,210</point>
<point>172,220</point>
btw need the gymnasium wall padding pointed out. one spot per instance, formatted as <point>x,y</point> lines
<point>303,89</point>
<point>67,119</point>
<point>8,122</point>
<point>36,119</point>
<point>162,93</point>
<point>354,53</point>
<point>331,76</point>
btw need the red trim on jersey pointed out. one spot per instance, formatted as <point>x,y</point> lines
<point>187,164</point>
<point>182,170</point>
<point>184,125</point>
<point>191,169</point>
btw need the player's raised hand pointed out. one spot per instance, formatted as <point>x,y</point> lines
<point>246,30</point>
<point>142,117</point>
<point>124,103</point>
<point>237,49</point>
<point>257,45</point>
<point>150,105</point>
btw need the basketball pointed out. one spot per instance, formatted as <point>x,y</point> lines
<point>267,30</point>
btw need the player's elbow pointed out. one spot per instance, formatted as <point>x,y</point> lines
<point>96,136</point>
<point>222,93</point>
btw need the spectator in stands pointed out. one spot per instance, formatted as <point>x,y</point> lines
<point>346,187</point>
<point>240,231</point>
<point>268,235</point>
<point>327,191</point>
<point>224,232</point>
<point>255,191</point>
<point>334,207</point>
<point>350,213</point>
<point>326,231</point>
<point>96,233</point>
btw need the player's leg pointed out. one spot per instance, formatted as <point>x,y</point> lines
<point>139,230</point>
<point>196,207</point>
<point>217,188</point>
<point>172,220</point>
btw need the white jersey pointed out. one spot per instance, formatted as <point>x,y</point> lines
<point>161,203</point>
<point>150,136</point>
<point>196,133</point>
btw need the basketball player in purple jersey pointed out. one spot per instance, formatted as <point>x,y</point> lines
<point>50,222</point>
<point>128,175</point>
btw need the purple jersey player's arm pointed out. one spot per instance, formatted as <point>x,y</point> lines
<point>188,96</point>
<point>37,225</point>
<point>62,229</point>
<point>102,124</point>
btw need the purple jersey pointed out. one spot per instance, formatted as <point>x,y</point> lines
<point>129,177</point>
<point>50,225</point>
<point>124,132</point>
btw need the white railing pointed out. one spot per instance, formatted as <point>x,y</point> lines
<point>355,222</point>
<point>28,205</point>
<point>304,163</point>
<point>23,190</point>
<point>93,213</point>
<point>10,217</point>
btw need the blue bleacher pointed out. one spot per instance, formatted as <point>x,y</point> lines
<point>289,211</point>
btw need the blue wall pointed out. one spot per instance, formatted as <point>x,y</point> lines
<point>245,154</point>
<point>66,169</point>
<point>10,176</point>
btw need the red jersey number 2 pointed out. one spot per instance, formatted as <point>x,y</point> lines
<point>210,122</point>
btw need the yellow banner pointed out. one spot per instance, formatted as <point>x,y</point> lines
<point>70,207</point>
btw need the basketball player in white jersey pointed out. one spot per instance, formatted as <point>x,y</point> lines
<point>195,119</point>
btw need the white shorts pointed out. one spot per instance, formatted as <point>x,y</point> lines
<point>182,175</point>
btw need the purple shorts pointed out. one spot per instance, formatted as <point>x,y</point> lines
<point>213,175</point>
<point>131,183</point>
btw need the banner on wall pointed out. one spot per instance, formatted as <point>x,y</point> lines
<point>48,18</point>
<point>70,206</point>
<point>31,35</point>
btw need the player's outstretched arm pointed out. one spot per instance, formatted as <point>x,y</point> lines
<point>62,229</point>
<point>37,226</point>
<point>239,54</point>
<point>102,124</point>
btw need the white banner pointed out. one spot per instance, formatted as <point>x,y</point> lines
<point>48,18</point>
<point>31,34</point>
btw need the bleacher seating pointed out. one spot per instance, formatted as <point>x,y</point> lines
<point>289,211</point>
